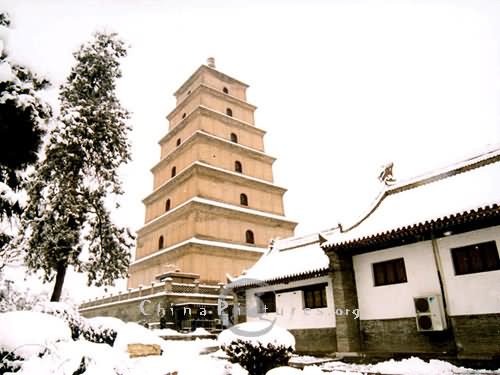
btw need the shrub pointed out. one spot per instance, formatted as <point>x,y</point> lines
<point>257,358</point>
<point>80,327</point>
<point>9,362</point>
<point>99,335</point>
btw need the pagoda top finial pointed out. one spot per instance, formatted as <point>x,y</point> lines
<point>211,62</point>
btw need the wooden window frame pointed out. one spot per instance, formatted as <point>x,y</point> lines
<point>314,296</point>
<point>389,272</point>
<point>475,258</point>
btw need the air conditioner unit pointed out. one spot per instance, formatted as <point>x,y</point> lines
<point>430,314</point>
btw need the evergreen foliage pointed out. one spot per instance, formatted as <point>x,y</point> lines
<point>258,358</point>
<point>67,221</point>
<point>22,115</point>
<point>80,327</point>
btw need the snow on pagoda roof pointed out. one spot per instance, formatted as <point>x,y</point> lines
<point>289,257</point>
<point>197,241</point>
<point>455,189</point>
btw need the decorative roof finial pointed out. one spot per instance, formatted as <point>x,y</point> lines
<point>211,62</point>
<point>386,176</point>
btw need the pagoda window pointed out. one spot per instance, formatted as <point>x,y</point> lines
<point>234,138</point>
<point>178,143</point>
<point>160,243</point>
<point>249,237</point>
<point>243,199</point>
<point>167,205</point>
<point>225,90</point>
<point>238,167</point>
<point>229,112</point>
<point>174,171</point>
<point>184,115</point>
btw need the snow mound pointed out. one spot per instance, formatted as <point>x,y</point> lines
<point>199,332</point>
<point>415,366</point>
<point>106,322</point>
<point>64,358</point>
<point>29,333</point>
<point>285,370</point>
<point>133,333</point>
<point>166,332</point>
<point>257,332</point>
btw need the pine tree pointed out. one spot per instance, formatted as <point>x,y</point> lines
<point>22,115</point>
<point>67,220</point>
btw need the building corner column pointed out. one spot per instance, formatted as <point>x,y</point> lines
<point>345,299</point>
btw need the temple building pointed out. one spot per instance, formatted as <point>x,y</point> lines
<point>214,205</point>
<point>213,210</point>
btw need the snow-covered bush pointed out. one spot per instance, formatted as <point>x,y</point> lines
<point>17,296</point>
<point>102,329</point>
<point>65,312</point>
<point>80,327</point>
<point>9,362</point>
<point>257,346</point>
<point>27,334</point>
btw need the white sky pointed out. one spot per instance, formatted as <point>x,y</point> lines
<point>342,87</point>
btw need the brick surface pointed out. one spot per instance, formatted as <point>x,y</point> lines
<point>477,334</point>
<point>346,298</point>
<point>401,336</point>
<point>315,340</point>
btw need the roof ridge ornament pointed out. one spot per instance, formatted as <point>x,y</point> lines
<point>211,62</point>
<point>386,175</point>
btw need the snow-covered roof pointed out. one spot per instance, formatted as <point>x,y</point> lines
<point>197,241</point>
<point>286,258</point>
<point>459,188</point>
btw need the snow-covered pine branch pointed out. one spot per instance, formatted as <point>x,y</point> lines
<point>66,215</point>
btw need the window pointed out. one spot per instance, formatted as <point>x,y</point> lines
<point>249,238</point>
<point>234,138</point>
<point>480,257</point>
<point>315,296</point>
<point>225,90</point>
<point>160,243</point>
<point>229,112</point>
<point>184,115</point>
<point>243,199</point>
<point>238,167</point>
<point>266,302</point>
<point>174,171</point>
<point>178,143</point>
<point>167,205</point>
<point>389,272</point>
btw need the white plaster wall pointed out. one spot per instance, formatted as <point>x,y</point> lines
<point>476,293</point>
<point>395,301</point>
<point>290,312</point>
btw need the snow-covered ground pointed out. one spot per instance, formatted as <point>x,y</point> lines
<point>28,333</point>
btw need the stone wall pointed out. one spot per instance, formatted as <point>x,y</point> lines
<point>315,340</point>
<point>129,310</point>
<point>477,335</point>
<point>401,336</point>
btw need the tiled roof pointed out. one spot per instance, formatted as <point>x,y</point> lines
<point>453,191</point>
<point>287,258</point>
